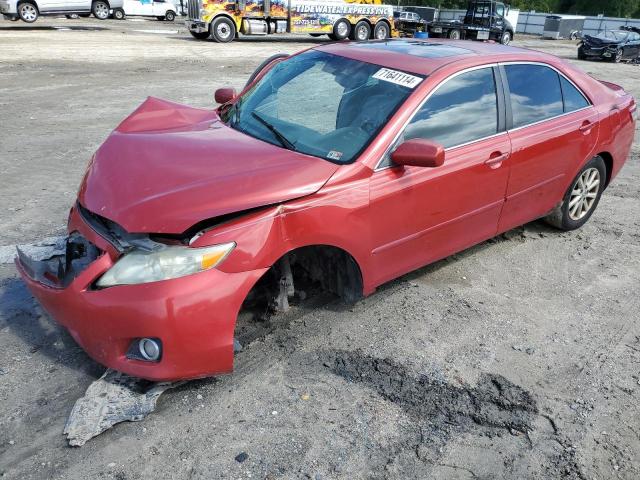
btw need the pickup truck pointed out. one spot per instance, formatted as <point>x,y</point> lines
<point>484,20</point>
<point>29,10</point>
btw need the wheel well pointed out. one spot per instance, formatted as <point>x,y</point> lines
<point>608,162</point>
<point>220,15</point>
<point>310,269</point>
<point>105,1</point>
<point>32,2</point>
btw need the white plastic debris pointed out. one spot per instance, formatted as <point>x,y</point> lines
<point>113,398</point>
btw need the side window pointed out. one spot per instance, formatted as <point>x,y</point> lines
<point>535,93</point>
<point>461,110</point>
<point>500,10</point>
<point>573,99</point>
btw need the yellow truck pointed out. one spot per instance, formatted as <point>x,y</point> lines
<point>222,20</point>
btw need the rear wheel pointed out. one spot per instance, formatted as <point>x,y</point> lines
<point>361,32</point>
<point>381,31</point>
<point>341,30</point>
<point>170,16</point>
<point>455,35</point>
<point>223,30</point>
<point>28,12</point>
<point>100,10</point>
<point>582,197</point>
<point>118,14</point>
<point>199,35</point>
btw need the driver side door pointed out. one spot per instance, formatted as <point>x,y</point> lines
<point>421,214</point>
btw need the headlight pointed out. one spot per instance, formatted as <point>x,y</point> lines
<point>139,266</point>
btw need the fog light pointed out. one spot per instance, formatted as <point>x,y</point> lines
<point>149,349</point>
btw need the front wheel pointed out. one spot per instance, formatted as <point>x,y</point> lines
<point>581,55</point>
<point>455,35</point>
<point>170,16</point>
<point>582,197</point>
<point>223,30</point>
<point>617,58</point>
<point>118,14</point>
<point>381,31</point>
<point>28,12</point>
<point>100,10</point>
<point>505,39</point>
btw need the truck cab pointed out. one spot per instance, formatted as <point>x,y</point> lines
<point>484,20</point>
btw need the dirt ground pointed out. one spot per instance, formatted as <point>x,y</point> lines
<point>518,358</point>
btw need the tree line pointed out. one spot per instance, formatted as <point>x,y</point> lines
<point>609,8</point>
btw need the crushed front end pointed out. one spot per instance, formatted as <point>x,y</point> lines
<point>190,320</point>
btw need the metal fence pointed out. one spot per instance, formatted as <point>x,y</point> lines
<point>533,22</point>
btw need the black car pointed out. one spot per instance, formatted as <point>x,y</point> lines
<point>612,45</point>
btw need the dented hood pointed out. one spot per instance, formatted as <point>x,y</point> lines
<point>169,166</point>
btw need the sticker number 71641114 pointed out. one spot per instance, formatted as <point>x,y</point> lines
<point>399,78</point>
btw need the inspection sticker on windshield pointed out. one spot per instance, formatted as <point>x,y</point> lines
<point>334,155</point>
<point>399,78</point>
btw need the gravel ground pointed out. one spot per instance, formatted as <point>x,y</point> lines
<point>517,358</point>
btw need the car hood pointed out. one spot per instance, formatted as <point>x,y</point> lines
<point>600,42</point>
<point>169,166</point>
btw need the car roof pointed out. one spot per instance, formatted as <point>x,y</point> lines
<point>425,56</point>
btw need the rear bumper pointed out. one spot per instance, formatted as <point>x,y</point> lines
<point>194,316</point>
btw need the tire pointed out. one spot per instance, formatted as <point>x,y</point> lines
<point>573,36</point>
<point>361,32</point>
<point>618,56</point>
<point>170,16</point>
<point>381,31</point>
<point>505,39</point>
<point>223,30</point>
<point>118,14</point>
<point>341,30</point>
<point>261,67</point>
<point>581,55</point>
<point>28,12</point>
<point>100,9</point>
<point>582,197</point>
<point>455,35</point>
<point>199,35</point>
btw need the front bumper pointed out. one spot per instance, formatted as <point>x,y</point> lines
<point>194,316</point>
<point>197,26</point>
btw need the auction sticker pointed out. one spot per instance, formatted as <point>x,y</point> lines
<point>399,78</point>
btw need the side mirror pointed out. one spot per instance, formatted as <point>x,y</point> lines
<point>418,152</point>
<point>225,95</point>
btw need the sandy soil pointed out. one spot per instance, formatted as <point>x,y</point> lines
<point>518,358</point>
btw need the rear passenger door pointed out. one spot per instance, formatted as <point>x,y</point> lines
<point>419,214</point>
<point>553,130</point>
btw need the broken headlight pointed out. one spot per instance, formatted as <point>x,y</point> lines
<point>139,266</point>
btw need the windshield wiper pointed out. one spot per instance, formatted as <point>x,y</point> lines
<point>286,143</point>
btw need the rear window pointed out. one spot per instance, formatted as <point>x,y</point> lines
<point>535,93</point>
<point>573,98</point>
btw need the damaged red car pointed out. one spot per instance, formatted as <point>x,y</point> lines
<point>343,166</point>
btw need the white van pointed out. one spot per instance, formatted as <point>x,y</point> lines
<point>161,9</point>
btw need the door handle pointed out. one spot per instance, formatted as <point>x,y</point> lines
<point>586,126</point>
<point>496,159</point>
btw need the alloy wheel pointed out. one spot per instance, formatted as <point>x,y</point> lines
<point>28,12</point>
<point>584,194</point>
<point>102,11</point>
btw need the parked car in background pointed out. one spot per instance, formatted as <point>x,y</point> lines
<point>612,45</point>
<point>408,22</point>
<point>160,9</point>
<point>29,10</point>
<point>340,168</point>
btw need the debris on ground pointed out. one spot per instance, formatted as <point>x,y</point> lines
<point>113,398</point>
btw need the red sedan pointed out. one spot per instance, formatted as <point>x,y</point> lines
<point>341,167</point>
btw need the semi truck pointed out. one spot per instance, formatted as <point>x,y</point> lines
<point>222,20</point>
<point>484,20</point>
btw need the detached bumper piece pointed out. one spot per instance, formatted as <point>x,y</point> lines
<point>59,269</point>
